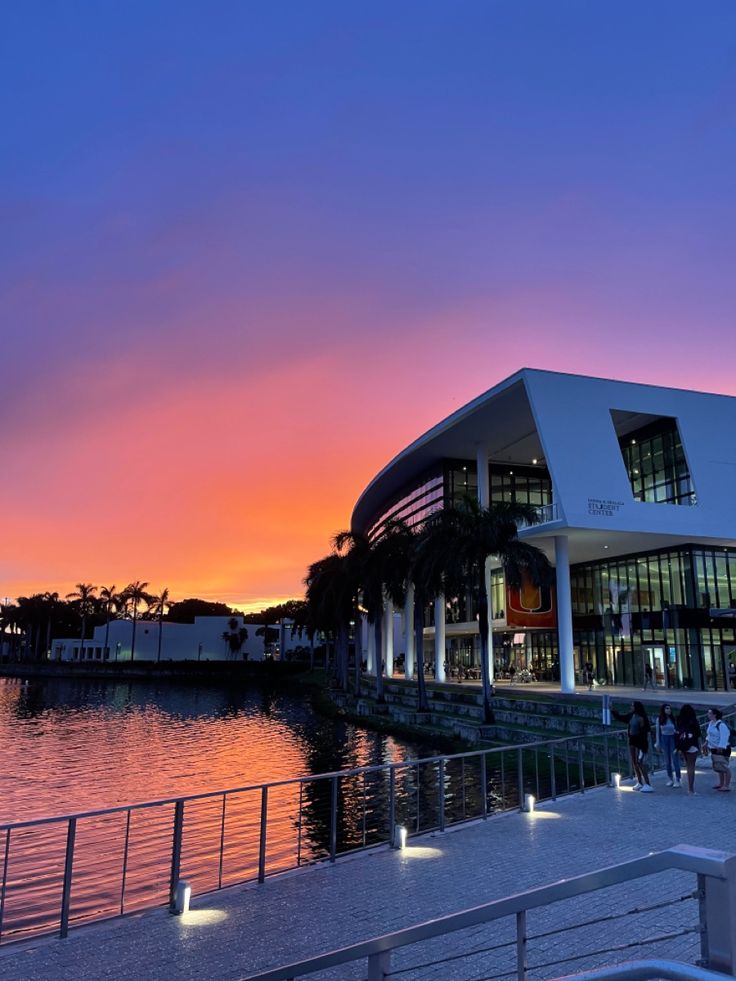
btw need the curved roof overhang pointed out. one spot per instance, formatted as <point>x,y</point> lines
<point>501,419</point>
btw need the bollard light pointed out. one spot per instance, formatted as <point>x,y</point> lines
<point>529,802</point>
<point>182,897</point>
<point>616,780</point>
<point>400,837</point>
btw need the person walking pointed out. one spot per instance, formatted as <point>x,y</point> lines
<point>639,729</point>
<point>666,730</point>
<point>589,674</point>
<point>688,742</point>
<point>718,742</point>
<point>648,677</point>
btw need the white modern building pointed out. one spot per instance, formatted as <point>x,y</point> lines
<point>207,639</point>
<point>635,485</point>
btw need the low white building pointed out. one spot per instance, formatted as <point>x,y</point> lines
<point>207,639</point>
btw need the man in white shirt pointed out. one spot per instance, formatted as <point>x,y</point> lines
<point>718,740</point>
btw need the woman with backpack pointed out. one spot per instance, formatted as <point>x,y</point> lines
<point>688,742</point>
<point>718,741</point>
<point>639,729</point>
<point>665,741</point>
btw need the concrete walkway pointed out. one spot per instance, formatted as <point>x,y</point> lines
<point>654,697</point>
<point>233,933</point>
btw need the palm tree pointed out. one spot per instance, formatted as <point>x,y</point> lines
<point>134,594</point>
<point>159,606</point>
<point>83,596</point>
<point>235,637</point>
<point>461,539</point>
<point>381,569</point>
<point>331,592</point>
<point>112,601</point>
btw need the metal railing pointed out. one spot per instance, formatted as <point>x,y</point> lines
<point>713,927</point>
<point>61,871</point>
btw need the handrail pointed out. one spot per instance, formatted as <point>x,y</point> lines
<point>701,861</point>
<point>307,778</point>
<point>643,970</point>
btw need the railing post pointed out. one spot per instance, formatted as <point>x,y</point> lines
<point>718,919</point>
<point>5,879</point>
<point>441,793</point>
<point>333,820</point>
<point>124,873</point>
<point>66,894</point>
<point>176,851</point>
<point>581,771</point>
<point>484,784</point>
<point>262,842</point>
<point>520,776</point>
<point>222,842</point>
<point>608,762</point>
<point>552,773</point>
<point>379,966</point>
<point>521,965</point>
<point>392,806</point>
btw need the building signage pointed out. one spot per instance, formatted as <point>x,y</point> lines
<point>530,606</point>
<point>603,509</point>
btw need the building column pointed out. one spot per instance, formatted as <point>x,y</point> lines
<point>564,615</point>
<point>440,654</point>
<point>358,638</point>
<point>484,499</point>
<point>388,637</point>
<point>409,632</point>
<point>371,644</point>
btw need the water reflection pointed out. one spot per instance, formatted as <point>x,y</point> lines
<point>82,744</point>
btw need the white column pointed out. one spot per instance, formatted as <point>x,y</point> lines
<point>440,653</point>
<point>388,637</point>
<point>409,632</point>
<point>358,631</point>
<point>484,487</point>
<point>484,499</point>
<point>371,644</point>
<point>564,615</point>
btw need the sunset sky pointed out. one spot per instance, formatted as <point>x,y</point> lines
<point>249,250</point>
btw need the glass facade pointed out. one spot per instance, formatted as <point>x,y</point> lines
<point>668,609</point>
<point>455,480</point>
<point>522,485</point>
<point>656,464</point>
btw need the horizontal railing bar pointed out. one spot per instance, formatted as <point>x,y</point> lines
<point>295,781</point>
<point>644,970</point>
<point>682,857</point>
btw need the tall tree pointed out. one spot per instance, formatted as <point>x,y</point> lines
<point>112,603</point>
<point>235,636</point>
<point>134,594</point>
<point>159,606</point>
<point>331,592</point>
<point>460,540</point>
<point>83,596</point>
<point>380,568</point>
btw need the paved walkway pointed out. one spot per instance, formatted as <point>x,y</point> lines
<point>656,696</point>
<point>238,931</point>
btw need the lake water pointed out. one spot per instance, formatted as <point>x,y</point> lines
<point>71,745</point>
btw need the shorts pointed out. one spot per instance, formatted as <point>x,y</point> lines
<point>720,763</point>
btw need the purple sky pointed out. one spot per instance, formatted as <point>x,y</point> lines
<point>250,250</point>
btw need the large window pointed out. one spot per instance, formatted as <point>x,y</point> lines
<point>656,464</point>
<point>520,485</point>
<point>415,504</point>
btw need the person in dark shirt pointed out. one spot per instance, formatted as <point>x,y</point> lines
<point>639,729</point>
